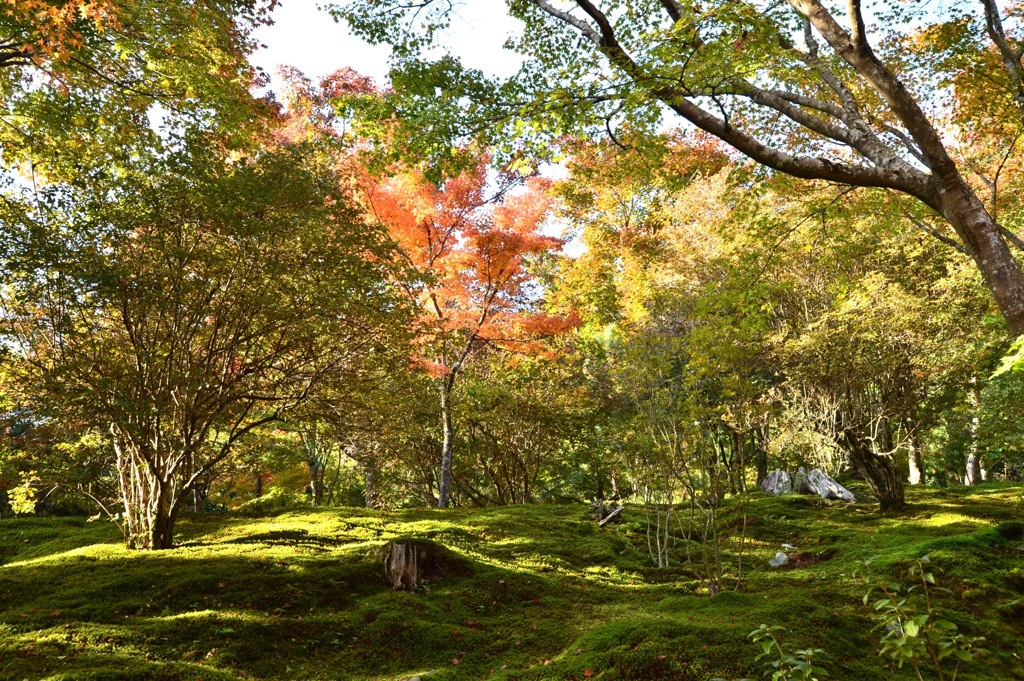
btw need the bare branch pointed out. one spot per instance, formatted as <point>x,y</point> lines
<point>809,102</point>
<point>586,29</point>
<point>907,143</point>
<point>928,229</point>
<point>1011,237</point>
<point>608,38</point>
<point>994,185</point>
<point>889,171</point>
<point>858,135</point>
<point>805,167</point>
<point>866,63</point>
<point>612,137</point>
<point>1011,57</point>
<point>826,74</point>
<point>858,34</point>
<point>672,9</point>
<point>13,54</point>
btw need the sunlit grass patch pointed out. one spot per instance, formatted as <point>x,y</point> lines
<point>534,592</point>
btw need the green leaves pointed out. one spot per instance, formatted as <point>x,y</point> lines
<point>786,666</point>
<point>194,292</point>
<point>1013,360</point>
<point>97,93</point>
<point>913,633</point>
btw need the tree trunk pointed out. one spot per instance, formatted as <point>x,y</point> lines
<point>150,501</point>
<point>958,203</point>
<point>880,472</point>
<point>162,533</point>
<point>760,436</point>
<point>368,471</point>
<point>199,494</point>
<point>914,459</point>
<point>316,480</point>
<point>972,474</point>
<point>310,437</point>
<point>738,464</point>
<point>445,485</point>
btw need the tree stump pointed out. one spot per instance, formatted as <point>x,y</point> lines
<point>412,563</point>
<point>401,565</point>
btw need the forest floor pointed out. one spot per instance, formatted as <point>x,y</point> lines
<point>526,592</point>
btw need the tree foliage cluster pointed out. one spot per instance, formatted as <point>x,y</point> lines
<point>357,294</point>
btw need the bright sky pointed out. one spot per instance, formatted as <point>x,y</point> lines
<point>308,38</point>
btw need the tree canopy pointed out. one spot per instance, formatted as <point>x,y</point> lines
<point>389,295</point>
<point>867,100</point>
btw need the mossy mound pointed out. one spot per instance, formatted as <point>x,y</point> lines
<point>528,592</point>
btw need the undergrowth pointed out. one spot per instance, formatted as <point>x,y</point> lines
<point>527,592</point>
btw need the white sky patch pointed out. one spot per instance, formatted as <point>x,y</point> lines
<point>308,38</point>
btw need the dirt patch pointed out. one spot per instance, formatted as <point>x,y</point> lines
<point>804,558</point>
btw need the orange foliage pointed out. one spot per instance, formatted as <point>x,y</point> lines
<point>58,25</point>
<point>310,109</point>
<point>672,158</point>
<point>471,256</point>
<point>467,253</point>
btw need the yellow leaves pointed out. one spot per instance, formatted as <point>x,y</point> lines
<point>22,498</point>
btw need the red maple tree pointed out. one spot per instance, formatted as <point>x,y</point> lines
<point>470,254</point>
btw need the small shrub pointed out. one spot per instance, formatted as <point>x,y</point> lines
<point>783,665</point>
<point>275,499</point>
<point>914,632</point>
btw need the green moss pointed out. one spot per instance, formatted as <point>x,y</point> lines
<point>530,592</point>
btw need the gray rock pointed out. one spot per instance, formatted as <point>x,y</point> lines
<point>776,483</point>
<point>800,482</point>
<point>827,488</point>
<point>779,560</point>
<point>803,482</point>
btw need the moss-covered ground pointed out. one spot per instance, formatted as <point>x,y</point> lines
<point>528,592</point>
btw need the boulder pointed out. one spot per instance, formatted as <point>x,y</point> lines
<point>827,488</point>
<point>804,482</point>
<point>776,483</point>
<point>800,482</point>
